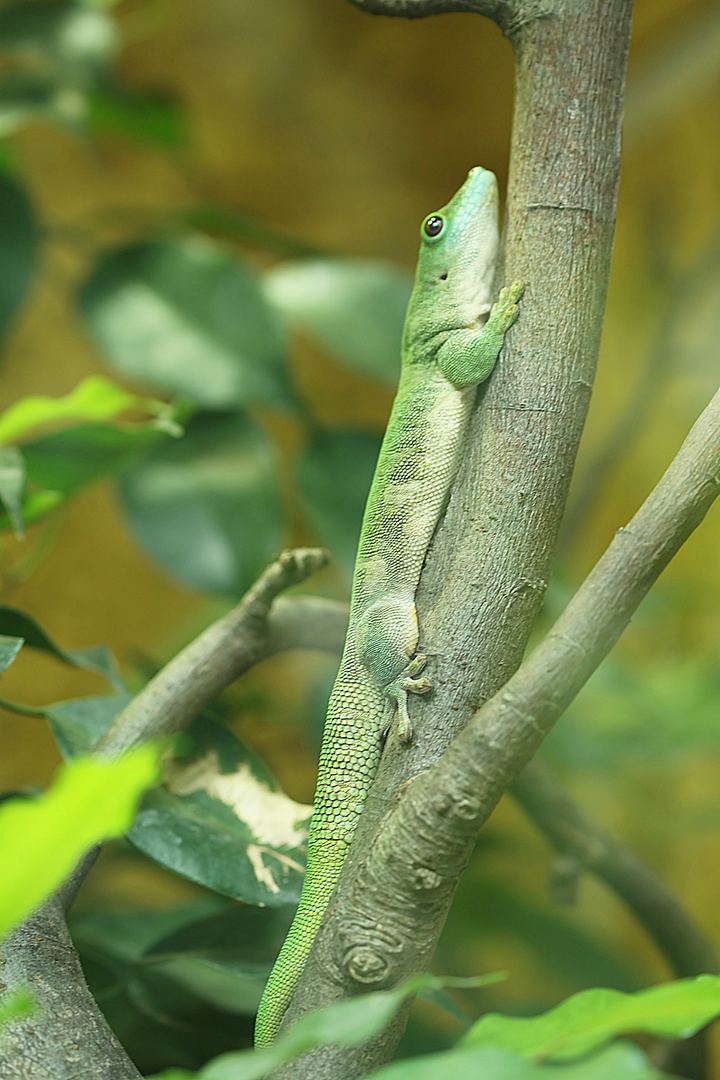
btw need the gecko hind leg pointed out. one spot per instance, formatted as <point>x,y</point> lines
<point>405,684</point>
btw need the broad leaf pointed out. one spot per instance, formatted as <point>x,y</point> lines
<point>353,307</point>
<point>207,508</point>
<point>19,242</point>
<point>95,398</point>
<point>77,725</point>
<point>185,316</point>
<point>348,1023</point>
<point>68,460</point>
<point>158,999</point>
<point>334,475</point>
<point>42,839</point>
<point>620,1062</point>
<point>219,820</point>
<point>97,659</point>
<point>592,1018</point>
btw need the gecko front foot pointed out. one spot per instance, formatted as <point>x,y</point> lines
<point>505,311</point>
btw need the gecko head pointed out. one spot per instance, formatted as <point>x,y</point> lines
<point>460,243</point>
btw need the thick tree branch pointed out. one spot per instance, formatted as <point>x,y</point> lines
<point>68,1036</point>
<point>387,914</point>
<point>488,566</point>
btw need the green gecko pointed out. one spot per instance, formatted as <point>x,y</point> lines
<point>449,346</point>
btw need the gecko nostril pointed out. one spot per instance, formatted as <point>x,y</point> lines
<point>443,277</point>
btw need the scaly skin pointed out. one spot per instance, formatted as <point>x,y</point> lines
<point>449,346</point>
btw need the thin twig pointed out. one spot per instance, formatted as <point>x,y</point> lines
<point>572,833</point>
<point>202,670</point>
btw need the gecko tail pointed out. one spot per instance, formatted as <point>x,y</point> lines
<point>326,856</point>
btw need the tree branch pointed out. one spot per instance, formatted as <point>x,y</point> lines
<point>508,14</point>
<point>223,652</point>
<point>388,911</point>
<point>490,560</point>
<point>686,948</point>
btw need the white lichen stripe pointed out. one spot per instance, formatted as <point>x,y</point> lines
<point>272,817</point>
<point>262,872</point>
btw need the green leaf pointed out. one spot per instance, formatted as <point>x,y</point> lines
<point>68,460</point>
<point>19,624</point>
<point>140,117</point>
<point>347,1023</point>
<point>620,1062</point>
<point>219,820</point>
<point>41,840</point>
<point>12,484</point>
<point>9,648</point>
<point>151,996</point>
<point>185,316</point>
<point>19,244</point>
<point>591,1018</point>
<point>207,508</point>
<point>95,398</point>
<point>353,307</point>
<point>334,474</point>
<point>36,505</point>
<point>78,724</point>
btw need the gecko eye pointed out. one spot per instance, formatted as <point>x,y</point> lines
<point>433,226</point>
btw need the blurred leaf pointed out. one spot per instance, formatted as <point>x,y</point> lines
<point>66,461</point>
<point>94,398</point>
<point>220,821</point>
<point>185,316</point>
<point>347,1023</point>
<point>9,648</point>
<point>12,484</point>
<point>36,505</point>
<point>657,712</point>
<point>353,307</point>
<point>247,228</point>
<point>621,1062</point>
<point>588,1020</point>
<point>207,508</point>
<point>155,1014</point>
<point>240,942</point>
<point>19,243</point>
<point>78,724</point>
<point>41,840</point>
<point>334,473</point>
<point>142,118</point>
<point>16,1005</point>
<point>567,950</point>
<point>68,32</point>
<point>19,624</point>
